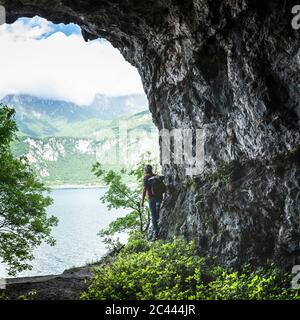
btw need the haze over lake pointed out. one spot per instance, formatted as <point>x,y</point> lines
<point>81,215</point>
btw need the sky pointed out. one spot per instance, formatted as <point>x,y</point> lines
<point>53,61</point>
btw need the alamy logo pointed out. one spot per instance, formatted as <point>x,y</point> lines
<point>296,19</point>
<point>183,147</point>
<point>2,283</point>
<point>296,278</point>
<point>186,153</point>
<point>2,15</point>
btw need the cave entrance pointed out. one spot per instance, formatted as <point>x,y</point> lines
<point>76,103</point>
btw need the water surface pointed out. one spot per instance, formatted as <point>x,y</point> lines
<point>81,215</point>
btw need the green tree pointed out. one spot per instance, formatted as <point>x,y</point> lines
<point>23,221</point>
<point>125,188</point>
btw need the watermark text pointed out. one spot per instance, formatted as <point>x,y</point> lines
<point>183,147</point>
<point>296,18</point>
<point>2,15</point>
<point>296,278</point>
<point>2,284</point>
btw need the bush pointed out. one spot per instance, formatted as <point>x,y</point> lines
<point>173,270</point>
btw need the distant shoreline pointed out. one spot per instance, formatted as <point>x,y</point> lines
<point>76,186</point>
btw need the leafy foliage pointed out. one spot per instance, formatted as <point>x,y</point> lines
<point>223,174</point>
<point>23,220</point>
<point>174,270</point>
<point>124,195</point>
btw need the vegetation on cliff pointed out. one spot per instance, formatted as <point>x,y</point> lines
<point>125,189</point>
<point>171,270</point>
<point>174,270</point>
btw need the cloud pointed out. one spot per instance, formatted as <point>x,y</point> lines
<point>53,61</point>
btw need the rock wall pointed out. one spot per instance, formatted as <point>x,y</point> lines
<point>232,68</point>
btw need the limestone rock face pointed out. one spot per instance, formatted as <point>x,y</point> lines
<point>230,67</point>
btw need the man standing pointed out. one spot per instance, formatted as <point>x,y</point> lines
<point>154,188</point>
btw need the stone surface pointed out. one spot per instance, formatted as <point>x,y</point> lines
<point>67,286</point>
<point>230,67</point>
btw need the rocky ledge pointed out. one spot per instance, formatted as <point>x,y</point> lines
<point>66,286</point>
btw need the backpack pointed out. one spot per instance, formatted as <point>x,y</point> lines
<point>158,188</point>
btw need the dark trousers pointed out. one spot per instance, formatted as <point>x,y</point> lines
<point>154,206</point>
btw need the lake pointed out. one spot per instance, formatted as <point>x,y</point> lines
<point>81,215</point>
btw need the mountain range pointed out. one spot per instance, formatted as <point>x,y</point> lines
<point>63,140</point>
<point>39,117</point>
